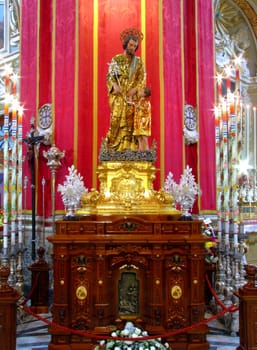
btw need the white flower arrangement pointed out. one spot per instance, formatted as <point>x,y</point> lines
<point>172,187</point>
<point>185,191</point>
<point>131,331</point>
<point>72,190</point>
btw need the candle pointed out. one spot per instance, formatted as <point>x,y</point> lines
<point>217,113</point>
<point>233,161</point>
<point>228,81</point>
<point>219,91</point>
<point>14,79</point>
<point>225,160</point>
<point>228,84</point>
<point>19,181</point>
<point>254,138</point>
<point>240,127</point>
<point>237,65</point>
<point>218,126</point>
<point>231,103</point>
<point>219,83</point>
<point>233,169</point>
<point>6,162</point>
<point>248,131</point>
<point>237,75</point>
<point>14,172</point>
<point>237,92</point>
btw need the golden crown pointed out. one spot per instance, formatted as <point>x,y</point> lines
<point>131,31</point>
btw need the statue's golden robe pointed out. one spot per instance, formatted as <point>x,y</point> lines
<point>128,72</point>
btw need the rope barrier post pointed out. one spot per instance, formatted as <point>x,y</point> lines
<point>8,310</point>
<point>40,282</point>
<point>247,310</point>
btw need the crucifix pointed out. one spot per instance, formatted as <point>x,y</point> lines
<point>32,141</point>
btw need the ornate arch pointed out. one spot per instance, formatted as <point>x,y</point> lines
<point>236,34</point>
<point>249,12</point>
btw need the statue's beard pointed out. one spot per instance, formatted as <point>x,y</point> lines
<point>129,52</point>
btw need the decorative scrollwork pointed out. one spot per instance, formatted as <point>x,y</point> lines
<point>129,226</point>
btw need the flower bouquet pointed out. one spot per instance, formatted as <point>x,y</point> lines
<point>131,331</point>
<point>184,192</point>
<point>211,246</point>
<point>71,191</point>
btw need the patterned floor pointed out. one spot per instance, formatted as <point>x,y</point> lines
<point>32,335</point>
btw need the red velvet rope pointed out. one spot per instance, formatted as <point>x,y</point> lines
<point>231,308</point>
<point>214,294</point>
<point>32,290</point>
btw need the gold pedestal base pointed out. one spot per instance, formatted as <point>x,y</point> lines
<point>126,187</point>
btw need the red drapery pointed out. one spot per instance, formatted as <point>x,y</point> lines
<point>173,88</point>
<point>78,39</point>
<point>206,156</point>
<point>190,82</point>
<point>29,83</point>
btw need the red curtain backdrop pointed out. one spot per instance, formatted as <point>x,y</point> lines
<point>206,73</point>
<point>44,91</point>
<point>64,81</point>
<point>29,83</point>
<point>190,82</point>
<point>76,41</point>
<point>85,136</point>
<point>173,88</point>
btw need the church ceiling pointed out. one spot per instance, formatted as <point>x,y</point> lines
<point>249,12</point>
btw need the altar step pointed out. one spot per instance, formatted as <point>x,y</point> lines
<point>32,334</point>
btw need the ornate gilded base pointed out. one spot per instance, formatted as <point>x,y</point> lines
<point>126,187</point>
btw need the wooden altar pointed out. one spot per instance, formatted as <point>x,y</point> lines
<point>144,268</point>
